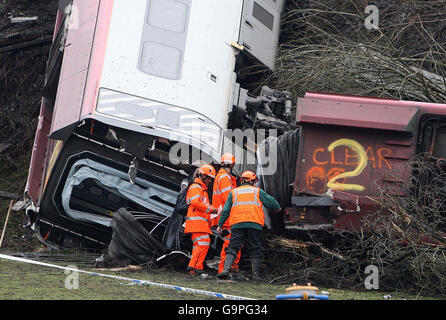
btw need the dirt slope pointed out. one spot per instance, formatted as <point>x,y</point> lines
<point>22,76</point>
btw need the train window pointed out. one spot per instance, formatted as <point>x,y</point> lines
<point>263,16</point>
<point>439,150</point>
<point>161,60</point>
<point>168,15</point>
<point>132,108</point>
<point>113,197</point>
<point>96,191</point>
<point>168,118</point>
<point>164,38</point>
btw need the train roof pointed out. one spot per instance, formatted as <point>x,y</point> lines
<point>363,112</point>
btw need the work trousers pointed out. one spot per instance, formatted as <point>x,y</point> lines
<point>221,265</point>
<point>249,237</point>
<point>201,242</point>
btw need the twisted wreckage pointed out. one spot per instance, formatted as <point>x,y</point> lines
<point>128,87</point>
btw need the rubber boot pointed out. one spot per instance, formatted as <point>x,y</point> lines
<point>227,267</point>
<point>194,271</point>
<point>255,265</point>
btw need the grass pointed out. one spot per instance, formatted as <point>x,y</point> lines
<point>20,281</point>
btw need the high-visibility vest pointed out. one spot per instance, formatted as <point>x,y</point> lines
<point>246,206</point>
<point>224,183</point>
<point>198,214</point>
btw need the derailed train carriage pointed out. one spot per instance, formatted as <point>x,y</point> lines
<point>348,151</point>
<point>127,86</point>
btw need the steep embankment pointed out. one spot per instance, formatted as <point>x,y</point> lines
<point>24,48</point>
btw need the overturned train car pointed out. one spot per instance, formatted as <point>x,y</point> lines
<point>347,151</point>
<point>127,86</point>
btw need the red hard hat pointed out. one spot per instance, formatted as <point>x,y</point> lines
<point>249,176</point>
<point>207,170</point>
<point>228,158</point>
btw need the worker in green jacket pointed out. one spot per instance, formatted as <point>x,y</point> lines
<point>243,208</point>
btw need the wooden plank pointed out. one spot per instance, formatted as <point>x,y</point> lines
<point>6,222</point>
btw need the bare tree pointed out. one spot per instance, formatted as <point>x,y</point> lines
<point>327,47</point>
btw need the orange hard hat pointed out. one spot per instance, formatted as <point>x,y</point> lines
<point>249,176</point>
<point>228,158</point>
<point>207,170</point>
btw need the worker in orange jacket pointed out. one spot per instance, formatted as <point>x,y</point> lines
<point>223,184</point>
<point>244,210</point>
<point>198,217</point>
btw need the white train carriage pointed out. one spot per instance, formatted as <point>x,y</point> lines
<point>127,81</point>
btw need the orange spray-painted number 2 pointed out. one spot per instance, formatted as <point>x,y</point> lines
<point>318,179</point>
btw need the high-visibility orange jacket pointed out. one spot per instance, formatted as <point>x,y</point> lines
<point>246,206</point>
<point>198,214</point>
<point>223,184</point>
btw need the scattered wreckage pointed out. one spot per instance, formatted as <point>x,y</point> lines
<point>135,94</point>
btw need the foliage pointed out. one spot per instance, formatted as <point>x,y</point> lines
<point>326,47</point>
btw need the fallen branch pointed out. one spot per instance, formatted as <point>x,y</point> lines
<point>129,268</point>
<point>329,252</point>
<point>26,44</point>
